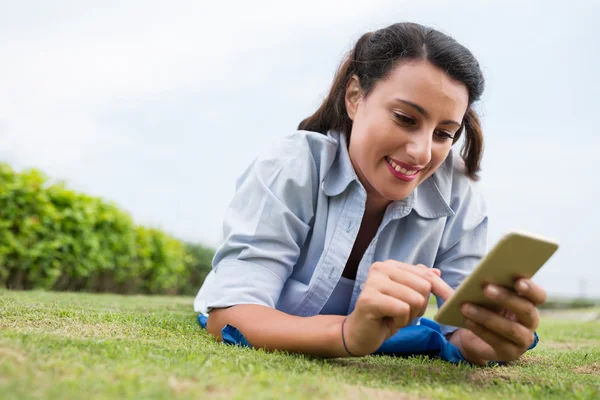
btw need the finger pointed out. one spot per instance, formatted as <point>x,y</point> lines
<point>434,270</point>
<point>410,279</point>
<point>530,290</point>
<point>416,301</point>
<point>509,330</point>
<point>484,352</point>
<point>383,306</point>
<point>419,269</point>
<point>499,350</point>
<point>439,286</point>
<point>524,309</point>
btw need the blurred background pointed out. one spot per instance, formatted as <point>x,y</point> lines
<point>158,107</point>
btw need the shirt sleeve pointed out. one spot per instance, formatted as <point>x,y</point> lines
<point>464,242</point>
<point>265,227</point>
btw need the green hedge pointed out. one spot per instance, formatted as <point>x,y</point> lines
<point>54,238</point>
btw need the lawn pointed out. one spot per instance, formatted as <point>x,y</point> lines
<point>67,345</point>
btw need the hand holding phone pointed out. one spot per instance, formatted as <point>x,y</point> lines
<point>516,255</point>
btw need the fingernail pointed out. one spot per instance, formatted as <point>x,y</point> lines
<point>492,291</point>
<point>469,309</point>
<point>522,286</point>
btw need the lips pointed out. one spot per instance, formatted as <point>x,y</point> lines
<point>400,172</point>
<point>400,168</point>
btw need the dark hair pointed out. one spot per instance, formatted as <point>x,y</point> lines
<point>374,56</point>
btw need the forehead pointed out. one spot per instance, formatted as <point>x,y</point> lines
<point>425,84</point>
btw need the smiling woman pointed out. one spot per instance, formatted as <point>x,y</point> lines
<point>338,234</point>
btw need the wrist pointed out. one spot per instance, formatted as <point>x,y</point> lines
<point>336,341</point>
<point>463,347</point>
<point>455,339</point>
<point>345,342</point>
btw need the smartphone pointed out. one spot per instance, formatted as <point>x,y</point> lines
<point>516,255</point>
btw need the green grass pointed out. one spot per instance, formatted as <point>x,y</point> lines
<point>65,345</point>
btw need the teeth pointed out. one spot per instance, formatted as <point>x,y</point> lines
<point>400,169</point>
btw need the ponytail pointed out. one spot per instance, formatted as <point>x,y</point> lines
<point>472,150</point>
<point>332,113</point>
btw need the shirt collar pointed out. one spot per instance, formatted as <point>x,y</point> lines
<point>341,173</point>
<point>427,199</point>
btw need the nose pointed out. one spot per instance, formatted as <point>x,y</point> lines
<point>418,147</point>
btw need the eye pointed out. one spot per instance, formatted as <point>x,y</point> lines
<point>404,119</point>
<point>444,135</point>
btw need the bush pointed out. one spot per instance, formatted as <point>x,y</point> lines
<point>198,266</point>
<point>54,238</point>
<point>162,268</point>
<point>28,244</point>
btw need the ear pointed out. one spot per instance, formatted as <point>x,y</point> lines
<point>353,96</point>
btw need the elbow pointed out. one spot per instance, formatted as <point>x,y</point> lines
<point>242,316</point>
<point>217,319</point>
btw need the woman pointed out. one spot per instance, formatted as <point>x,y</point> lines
<point>340,232</point>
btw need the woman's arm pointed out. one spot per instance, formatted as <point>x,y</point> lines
<point>394,294</point>
<point>271,329</point>
<point>265,228</point>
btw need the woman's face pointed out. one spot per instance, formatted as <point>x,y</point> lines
<point>403,130</point>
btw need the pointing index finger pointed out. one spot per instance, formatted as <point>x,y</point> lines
<point>439,287</point>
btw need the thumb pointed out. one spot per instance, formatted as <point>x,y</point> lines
<point>436,271</point>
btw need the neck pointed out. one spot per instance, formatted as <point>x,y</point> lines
<point>375,206</point>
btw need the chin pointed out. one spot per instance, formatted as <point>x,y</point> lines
<point>397,195</point>
<point>402,197</point>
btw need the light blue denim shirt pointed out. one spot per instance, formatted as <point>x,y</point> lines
<point>295,216</point>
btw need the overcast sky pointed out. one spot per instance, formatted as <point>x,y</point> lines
<point>159,106</point>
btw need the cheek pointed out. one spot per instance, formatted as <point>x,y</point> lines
<point>371,118</point>
<point>439,154</point>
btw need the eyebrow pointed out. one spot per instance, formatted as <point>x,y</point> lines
<point>422,111</point>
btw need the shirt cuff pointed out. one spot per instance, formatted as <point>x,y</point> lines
<point>241,282</point>
<point>447,329</point>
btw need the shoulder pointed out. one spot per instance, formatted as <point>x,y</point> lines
<point>300,144</point>
<point>298,155</point>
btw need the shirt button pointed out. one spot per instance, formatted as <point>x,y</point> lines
<point>362,285</point>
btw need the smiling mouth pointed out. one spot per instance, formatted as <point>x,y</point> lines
<point>402,170</point>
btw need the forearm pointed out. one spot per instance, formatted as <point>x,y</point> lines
<point>270,329</point>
